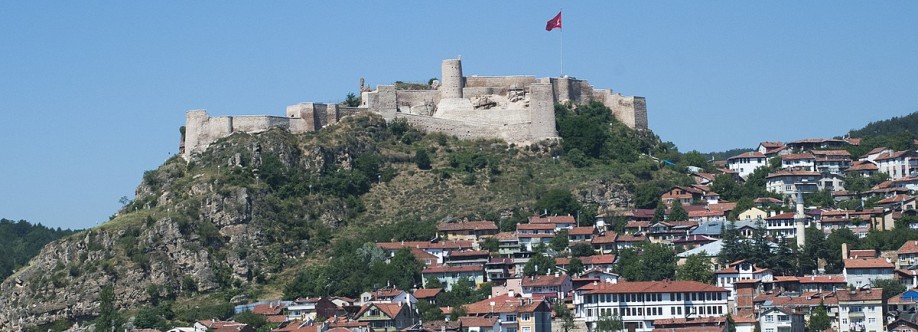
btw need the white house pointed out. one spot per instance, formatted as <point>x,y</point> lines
<point>741,270</point>
<point>746,163</point>
<point>799,162</point>
<point>898,164</point>
<point>789,182</point>
<point>862,272</point>
<point>861,310</point>
<point>781,319</point>
<point>638,304</point>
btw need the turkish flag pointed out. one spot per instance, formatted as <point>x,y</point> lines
<point>554,23</point>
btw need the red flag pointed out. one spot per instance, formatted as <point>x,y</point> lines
<point>554,23</point>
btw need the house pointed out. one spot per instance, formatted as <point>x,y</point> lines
<point>499,269</point>
<point>639,304</point>
<point>752,213</point>
<point>705,324</point>
<point>551,287</point>
<point>469,231</point>
<point>861,310</point>
<point>667,231</point>
<point>873,154</point>
<point>479,324</point>
<point>514,314</point>
<point>799,162</point>
<point>907,301</point>
<point>637,226</point>
<point>822,283</point>
<point>907,255</point>
<point>311,308</point>
<point>388,317</point>
<point>790,182</point>
<point>531,235</point>
<point>560,222</point>
<point>449,275</point>
<point>763,202</point>
<point>746,163</point>
<point>388,295</point>
<point>435,326</point>
<point>902,324</point>
<point>692,241</point>
<point>860,272</point>
<point>467,257</point>
<point>581,234</point>
<point>820,144</point>
<point>740,270</point>
<point>686,195</point>
<point>436,248</point>
<point>508,243</point>
<point>784,225</point>
<point>869,218</point>
<point>604,242</point>
<point>628,240</point>
<point>771,149</point>
<point>781,319</point>
<point>832,161</point>
<point>600,276</point>
<point>898,164</point>
<point>427,294</point>
<point>898,202</point>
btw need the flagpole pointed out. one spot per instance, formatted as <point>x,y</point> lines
<point>562,43</point>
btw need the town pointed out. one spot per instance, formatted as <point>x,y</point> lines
<point>790,260</point>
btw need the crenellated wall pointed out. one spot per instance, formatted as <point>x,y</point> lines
<point>517,109</point>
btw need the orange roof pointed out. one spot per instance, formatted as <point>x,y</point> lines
<point>299,326</point>
<point>268,309</point>
<point>389,309</point>
<point>791,173</point>
<point>797,156</point>
<point>539,227</point>
<point>900,198</point>
<point>862,253</point>
<point>636,224</point>
<point>543,281</point>
<point>425,293</point>
<point>471,321</point>
<point>874,294</point>
<point>831,153</point>
<point>581,231</point>
<point>630,238</point>
<point>470,253</point>
<point>654,287</point>
<point>750,154</point>
<point>604,238</point>
<point>909,247</point>
<point>505,236</point>
<point>425,245</point>
<point>454,269</point>
<point>552,220</point>
<point>862,166</point>
<point>502,304</point>
<point>467,226</point>
<point>867,263</point>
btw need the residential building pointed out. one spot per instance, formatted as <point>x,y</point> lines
<point>514,314</point>
<point>799,162</point>
<point>449,275</point>
<point>820,144</point>
<point>740,270</point>
<point>686,195</point>
<point>508,243</point>
<point>907,255</point>
<point>771,149</point>
<point>790,182</point>
<point>784,225</point>
<point>832,161</point>
<point>311,308</point>
<point>861,310</point>
<point>604,242</point>
<point>550,287</point>
<point>581,234</point>
<point>467,257</point>
<point>639,304</point>
<point>752,213</point>
<point>898,164</point>
<point>560,222</point>
<point>778,319</point>
<point>387,317</point>
<point>860,272</point>
<point>469,231</point>
<point>388,295</point>
<point>531,235</point>
<point>479,324</point>
<point>746,163</point>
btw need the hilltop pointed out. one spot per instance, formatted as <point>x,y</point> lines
<point>241,219</point>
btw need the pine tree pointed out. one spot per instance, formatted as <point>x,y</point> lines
<point>819,318</point>
<point>678,212</point>
<point>730,250</point>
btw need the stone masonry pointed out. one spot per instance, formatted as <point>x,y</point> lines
<point>517,109</point>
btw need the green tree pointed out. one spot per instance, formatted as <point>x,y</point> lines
<point>697,267</point>
<point>609,323</point>
<point>352,100</point>
<point>891,287</point>
<point>149,318</point>
<point>421,158</point>
<point>742,205</point>
<point>108,317</point>
<point>538,264</point>
<point>558,202</point>
<point>582,249</point>
<point>819,318</point>
<point>731,247</point>
<point>658,262</point>
<point>678,213</point>
<point>727,186</point>
<point>813,249</point>
<point>490,244</point>
<point>659,214</point>
<point>833,255</point>
<point>575,267</point>
<point>429,312</point>
<point>248,317</point>
<point>560,241</point>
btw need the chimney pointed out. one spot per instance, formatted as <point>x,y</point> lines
<point>844,250</point>
<point>511,293</point>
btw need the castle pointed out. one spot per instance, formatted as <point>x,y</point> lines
<point>517,109</point>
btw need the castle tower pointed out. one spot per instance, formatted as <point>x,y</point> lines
<point>542,111</point>
<point>451,84</point>
<point>195,126</point>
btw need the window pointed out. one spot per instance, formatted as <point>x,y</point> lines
<point>524,317</point>
<point>526,329</point>
<point>769,318</point>
<point>511,318</point>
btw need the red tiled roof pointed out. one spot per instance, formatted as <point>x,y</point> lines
<point>604,238</point>
<point>390,309</point>
<point>874,294</point>
<point>466,253</point>
<point>534,227</point>
<point>772,144</point>
<point>426,245</point>
<point>900,198</point>
<point>654,287</point>
<point>471,321</point>
<point>797,156</point>
<point>580,231</point>
<point>867,263</point>
<point>505,236</point>
<point>831,153</point>
<point>467,226</point>
<point>909,247</point>
<point>630,238</point>
<point>862,253</point>
<point>268,309</point>
<point>502,304</point>
<point>299,326</point>
<point>552,220</point>
<point>783,216</point>
<point>637,224</point>
<point>453,269</point>
<point>874,151</point>
<point>791,173</point>
<point>425,293</point>
<point>891,155</point>
<point>543,280</point>
<point>750,154</point>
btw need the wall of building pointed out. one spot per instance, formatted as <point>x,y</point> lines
<point>518,82</point>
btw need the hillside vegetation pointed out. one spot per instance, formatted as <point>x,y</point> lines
<point>896,133</point>
<point>245,218</point>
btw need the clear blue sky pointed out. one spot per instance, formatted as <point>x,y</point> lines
<point>93,93</point>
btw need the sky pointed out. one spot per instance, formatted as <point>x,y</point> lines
<point>93,93</point>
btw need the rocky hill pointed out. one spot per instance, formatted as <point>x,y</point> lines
<point>239,220</point>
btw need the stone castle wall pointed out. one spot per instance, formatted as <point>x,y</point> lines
<point>517,109</point>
